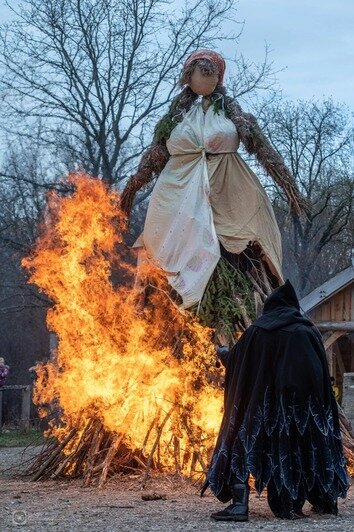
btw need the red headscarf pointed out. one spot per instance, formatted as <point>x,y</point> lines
<point>214,57</point>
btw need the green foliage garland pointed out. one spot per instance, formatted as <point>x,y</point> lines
<point>220,305</point>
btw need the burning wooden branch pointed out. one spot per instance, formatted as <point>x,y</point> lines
<point>97,453</point>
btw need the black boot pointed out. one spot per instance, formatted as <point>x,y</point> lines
<point>238,510</point>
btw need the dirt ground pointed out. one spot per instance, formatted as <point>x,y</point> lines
<point>67,506</point>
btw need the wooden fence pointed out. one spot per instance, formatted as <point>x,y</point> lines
<point>25,404</point>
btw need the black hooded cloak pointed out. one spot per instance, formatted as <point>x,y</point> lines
<point>280,418</point>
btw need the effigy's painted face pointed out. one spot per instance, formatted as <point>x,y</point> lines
<point>202,84</point>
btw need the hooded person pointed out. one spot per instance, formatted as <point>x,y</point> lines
<point>280,420</point>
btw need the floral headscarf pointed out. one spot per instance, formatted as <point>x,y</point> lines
<point>214,57</point>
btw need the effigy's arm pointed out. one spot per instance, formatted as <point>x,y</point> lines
<point>257,144</point>
<point>152,162</point>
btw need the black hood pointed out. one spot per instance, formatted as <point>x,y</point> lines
<point>281,308</point>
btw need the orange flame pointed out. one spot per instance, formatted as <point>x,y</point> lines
<point>350,461</point>
<point>114,361</point>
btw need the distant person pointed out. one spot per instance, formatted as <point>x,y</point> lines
<point>335,389</point>
<point>280,420</point>
<point>4,371</point>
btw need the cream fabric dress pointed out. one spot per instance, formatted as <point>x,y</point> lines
<point>199,201</point>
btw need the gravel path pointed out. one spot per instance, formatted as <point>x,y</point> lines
<point>67,506</point>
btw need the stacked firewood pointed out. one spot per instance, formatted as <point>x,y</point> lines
<point>98,453</point>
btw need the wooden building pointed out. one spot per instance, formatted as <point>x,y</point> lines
<point>331,307</point>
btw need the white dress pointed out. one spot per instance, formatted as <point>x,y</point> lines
<point>198,202</point>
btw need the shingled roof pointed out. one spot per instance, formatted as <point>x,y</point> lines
<point>328,289</point>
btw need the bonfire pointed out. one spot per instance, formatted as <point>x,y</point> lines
<point>131,386</point>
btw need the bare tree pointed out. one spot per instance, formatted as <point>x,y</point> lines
<point>97,71</point>
<point>316,141</point>
<point>24,335</point>
<point>22,197</point>
<point>26,175</point>
<point>249,80</point>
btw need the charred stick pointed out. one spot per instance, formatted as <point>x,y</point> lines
<point>54,455</point>
<point>110,455</point>
<point>62,465</point>
<point>159,432</point>
<point>193,462</point>
<point>148,432</point>
<point>96,440</point>
<point>139,460</point>
<point>194,445</point>
<point>176,453</point>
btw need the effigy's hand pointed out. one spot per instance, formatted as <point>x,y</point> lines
<point>298,205</point>
<point>302,208</point>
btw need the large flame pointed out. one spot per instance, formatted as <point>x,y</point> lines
<point>142,370</point>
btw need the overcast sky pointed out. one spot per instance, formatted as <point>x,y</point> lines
<point>312,39</point>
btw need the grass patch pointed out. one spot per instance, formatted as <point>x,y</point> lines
<point>15,438</point>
